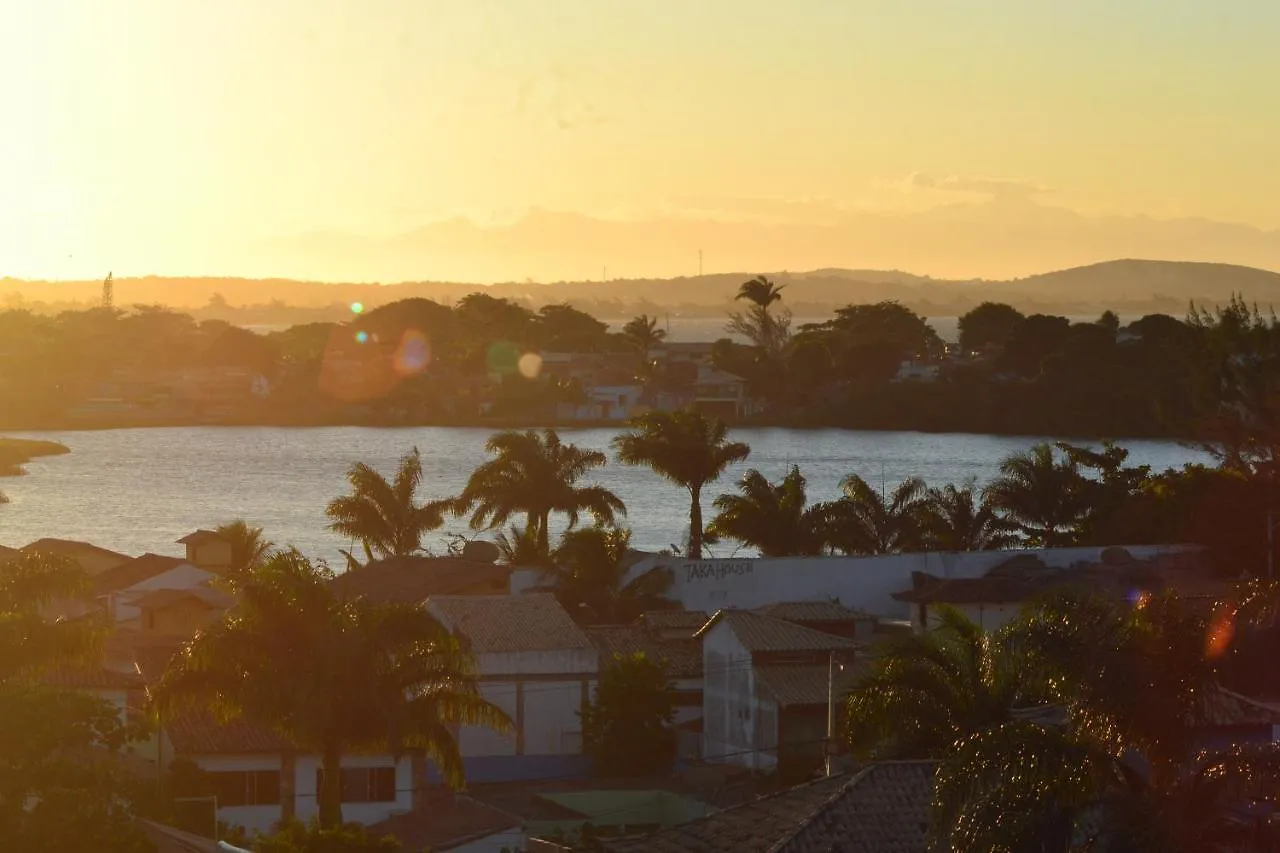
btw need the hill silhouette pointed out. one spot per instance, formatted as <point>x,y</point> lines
<point>1127,285</point>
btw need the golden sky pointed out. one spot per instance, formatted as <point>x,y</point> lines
<point>192,137</point>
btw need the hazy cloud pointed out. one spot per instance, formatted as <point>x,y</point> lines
<point>1002,187</point>
<point>812,211</point>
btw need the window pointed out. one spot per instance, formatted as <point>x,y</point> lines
<point>364,784</point>
<point>247,787</point>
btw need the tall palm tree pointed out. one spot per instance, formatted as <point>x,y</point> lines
<point>643,334</point>
<point>924,692</point>
<point>772,518</point>
<point>960,519</point>
<point>378,677</point>
<point>761,324</point>
<point>1041,495</point>
<point>589,576</point>
<point>249,547</point>
<point>687,448</point>
<point>29,642</point>
<point>519,547</point>
<point>536,474</point>
<point>385,517</point>
<point>864,520</point>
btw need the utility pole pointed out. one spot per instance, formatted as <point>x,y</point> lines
<point>831,709</point>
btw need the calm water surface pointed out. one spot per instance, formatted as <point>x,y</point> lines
<point>138,490</point>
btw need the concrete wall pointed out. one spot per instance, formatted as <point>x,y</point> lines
<point>180,619</point>
<point>213,553</point>
<point>990,617</point>
<point>728,700</point>
<point>252,818</point>
<point>865,583</point>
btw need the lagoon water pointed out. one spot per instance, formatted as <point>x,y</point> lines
<point>138,490</point>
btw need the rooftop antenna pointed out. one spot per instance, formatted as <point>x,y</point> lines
<point>108,292</point>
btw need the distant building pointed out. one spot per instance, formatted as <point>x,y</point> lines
<point>208,550</point>
<point>917,371</point>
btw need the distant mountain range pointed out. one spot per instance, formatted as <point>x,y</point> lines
<point>1128,286</point>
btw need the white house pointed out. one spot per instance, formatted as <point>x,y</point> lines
<point>917,371</point>
<point>859,583</point>
<point>122,586</point>
<point>767,684</point>
<point>718,392</point>
<point>535,664</point>
<point>603,403</point>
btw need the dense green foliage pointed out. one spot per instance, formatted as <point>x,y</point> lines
<point>626,729</point>
<point>59,784</point>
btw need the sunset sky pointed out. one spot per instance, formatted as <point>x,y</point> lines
<point>190,137</point>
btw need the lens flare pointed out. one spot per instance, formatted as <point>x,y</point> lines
<point>530,365</point>
<point>1222,629</point>
<point>357,307</point>
<point>502,358</point>
<point>362,336</point>
<point>414,353</point>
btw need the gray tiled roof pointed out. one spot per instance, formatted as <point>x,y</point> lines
<point>883,808</point>
<point>813,611</point>
<point>683,658</point>
<point>510,623</point>
<point>412,580</point>
<point>759,633</point>
<point>666,620</point>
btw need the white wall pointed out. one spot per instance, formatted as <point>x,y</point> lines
<point>551,704</point>
<point>252,818</point>
<point>988,616</point>
<point>862,583</point>
<point>306,804</point>
<point>728,706</point>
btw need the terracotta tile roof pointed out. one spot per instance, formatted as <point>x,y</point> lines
<point>135,571</point>
<point>509,623</point>
<point>802,685</point>
<point>68,548</point>
<point>672,620</point>
<point>213,598</point>
<point>760,633</point>
<point>813,611</point>
<point>1226,709</point>
<point>884,808</point>
<point>152,661</point>
<point>412,580</point>
<point>92,676</point>
<point>201,536</point>
<point>201,733</point>
<point>683,658</point>
<point>444,821</point>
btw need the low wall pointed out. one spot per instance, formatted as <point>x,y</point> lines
<point>860,583</point>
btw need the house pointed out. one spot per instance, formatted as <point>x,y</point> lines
<point>412,580</point>
<point>121,689</point>
<point>767,687</point>
<point>720,393</point>
<point>829,617</point>
<point>697,353</point>
<point>1226,719</point>
<point>917,371</point>
<point>603,403</point>
<point>883,808</point>
<point>122,586</point>
<point>181,612</point>
<point>535,664</point>
<point>673,624</point>
<point>207,550</point>
<point>92,559</point>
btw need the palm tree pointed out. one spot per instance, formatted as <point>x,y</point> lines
<point>30,643</point>
<point>1041,495</point>
<point>519,547</point>
<point>535,474</point>
<point>643,334</point>
<point>924,692</point>
<point>589,577</point>
<point>249,548</point>
<point>377,676</point>
<point>1114,772</point>
<point>866,521</point>
<point>385,517</point>
<point>764,327</point>
<point>773,519</point>
<point>687,448</point>
<point>959,519</point>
